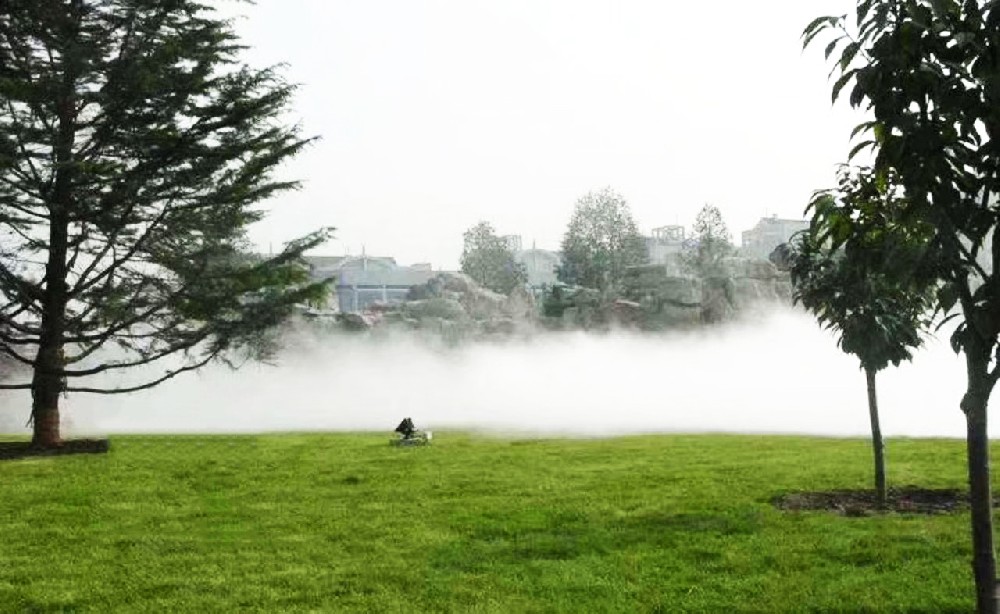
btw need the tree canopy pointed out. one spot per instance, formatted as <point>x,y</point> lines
<point>865,290</point>
<point>601,241</point>
<point>711,242</point>
<point>135,150</point>
<point>490,261</point>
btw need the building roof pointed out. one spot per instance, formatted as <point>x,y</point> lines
<point>536,253</point>
<point>399,276</point>
<point>324,262</point>
<point>778,221</point>
<point>367,271</point>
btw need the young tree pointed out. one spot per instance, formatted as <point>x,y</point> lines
<point>928,71</point>
<point>489,260</point>
<point>602,240</point>
<point>134,151</point>
<point>711,244</point>
<point>877,309</point>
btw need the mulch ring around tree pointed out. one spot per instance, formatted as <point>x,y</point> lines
<point>13,450</point>
<point>905,500</point>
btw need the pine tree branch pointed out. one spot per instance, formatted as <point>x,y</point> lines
<point>10,351</point>
<point>169,375</point>
<point>83,284</point>
<point>15,386</point>
<point>119,326</point>
<point>145,360</point>
<point>28,158</point>
<point>99,339</point>
<point>16,341</point>
<point>19,291</point>
<point>21,308</point>
<point>28,212</point>
<point>16,229</point>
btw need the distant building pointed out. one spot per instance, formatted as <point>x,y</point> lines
<point>665,247</point>
<point>359,281</point>
<point>665,243</point>
<point>540,264</point>
<point>770,232</point>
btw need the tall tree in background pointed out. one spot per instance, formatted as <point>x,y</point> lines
<point>602,240</point>
<point>134,151</point>
<point>929,73</point>
<point>711,243</point>
<point>489,260</point>
<point>862,291</point>
<point>704,256</point>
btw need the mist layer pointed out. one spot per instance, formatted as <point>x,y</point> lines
<point>778,374</point>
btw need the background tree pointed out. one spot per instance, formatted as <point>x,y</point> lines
<point>929,73</point>
<point>134,151</point>
<point>489,260</point>
<point>704,257</point>
<point>601,241</point>
<point>711,242</point>
<point>877,309</point>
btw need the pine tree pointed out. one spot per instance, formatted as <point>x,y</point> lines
<point>135,149</point>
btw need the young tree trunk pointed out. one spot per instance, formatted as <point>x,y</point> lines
<point>978,449</point>
<point>878,447</point>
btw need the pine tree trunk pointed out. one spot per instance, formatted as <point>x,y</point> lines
<point>47,383</point>
<point>878,447</point>
<point>978,448</point>
<point>45,409</point>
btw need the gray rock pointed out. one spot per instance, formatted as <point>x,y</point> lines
<point>444,308</point>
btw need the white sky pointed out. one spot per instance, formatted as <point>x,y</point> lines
<point>436,114</point>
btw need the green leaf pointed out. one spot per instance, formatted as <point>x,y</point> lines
<point>958,338</point>
<point>816,26</point>
<point>863,9</point>
<point>947,296</point>
<point>841,82</point>
<point>863,126</point>
<point>942,7</point>
<point>858,95</point>
<point>860,147</point>
<point>849,54</point>
<point>831,46</point>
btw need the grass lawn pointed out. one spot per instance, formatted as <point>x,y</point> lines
<point>345,522</point>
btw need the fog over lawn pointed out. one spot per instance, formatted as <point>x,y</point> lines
<point>777,374</point>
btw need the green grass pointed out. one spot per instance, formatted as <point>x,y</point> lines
<point>348,523</point>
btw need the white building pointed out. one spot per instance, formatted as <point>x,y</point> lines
<point>540,265</point>
<point>769,233</point>
<point>359,281</point>
<point>665,247</point>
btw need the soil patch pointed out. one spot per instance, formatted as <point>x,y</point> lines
<point>12,450</point>
<point>906,500</point>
